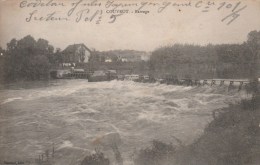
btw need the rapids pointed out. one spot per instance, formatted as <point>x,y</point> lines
<point>72,113</point>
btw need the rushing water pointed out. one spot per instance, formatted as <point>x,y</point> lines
<point>72,113</point>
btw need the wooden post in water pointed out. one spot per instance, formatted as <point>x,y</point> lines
<point>47,154</point>
<point>205,82</point>
<point>52,150</point>
<point>222,82</point>
<point>240,85</point>
<point>213,82</point>
<point>39,159</point>
<point>231,84</point>
<point>198,83</point>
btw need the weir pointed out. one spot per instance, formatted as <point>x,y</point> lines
<point>169,80</point>
<point>211,82</point>
<point>231,83</point>
<point>67,74</point>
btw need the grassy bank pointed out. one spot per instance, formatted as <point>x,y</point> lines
<point>232,138</point>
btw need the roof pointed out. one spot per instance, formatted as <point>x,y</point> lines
<point>73,48</point>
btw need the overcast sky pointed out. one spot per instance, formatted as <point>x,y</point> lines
<point>133,31</point>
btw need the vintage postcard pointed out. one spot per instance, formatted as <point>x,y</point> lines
<point>129,82</point>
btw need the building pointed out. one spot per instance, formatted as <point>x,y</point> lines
<point>108,59</point>
<point>124,56</point>
<point>124,59</point>
<point>77,53</point>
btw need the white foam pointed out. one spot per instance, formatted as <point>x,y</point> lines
<point>65,144</point>
<point>11,100</point>
<point>139,112</point>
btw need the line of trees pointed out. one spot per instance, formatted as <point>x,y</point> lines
<point>30,59</point>
<point>210,61</point>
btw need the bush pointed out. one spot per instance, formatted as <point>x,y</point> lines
<point>159,153</point>
<point>95,159</point>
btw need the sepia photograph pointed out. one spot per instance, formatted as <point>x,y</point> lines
<point>129,82</point>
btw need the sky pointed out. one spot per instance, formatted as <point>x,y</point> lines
<point>137,31</point>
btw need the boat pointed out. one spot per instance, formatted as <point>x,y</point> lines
<point>101,75</point>
<point>132,77</point>
<point>60,74</point>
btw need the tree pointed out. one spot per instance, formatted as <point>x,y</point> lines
<point>94,57</point>
<point>115,58</point>
<point>2,53</point>
<point>42,46</point>
<point>56,58</point>
<point>27,59</point>
<point>12,45</point>
<point>253,42</point>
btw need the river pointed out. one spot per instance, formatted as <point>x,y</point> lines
<point>70,114</point>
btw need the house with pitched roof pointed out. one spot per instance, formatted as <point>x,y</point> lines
<point>76,53</point>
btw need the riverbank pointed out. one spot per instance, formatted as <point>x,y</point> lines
<point>232,138</point>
